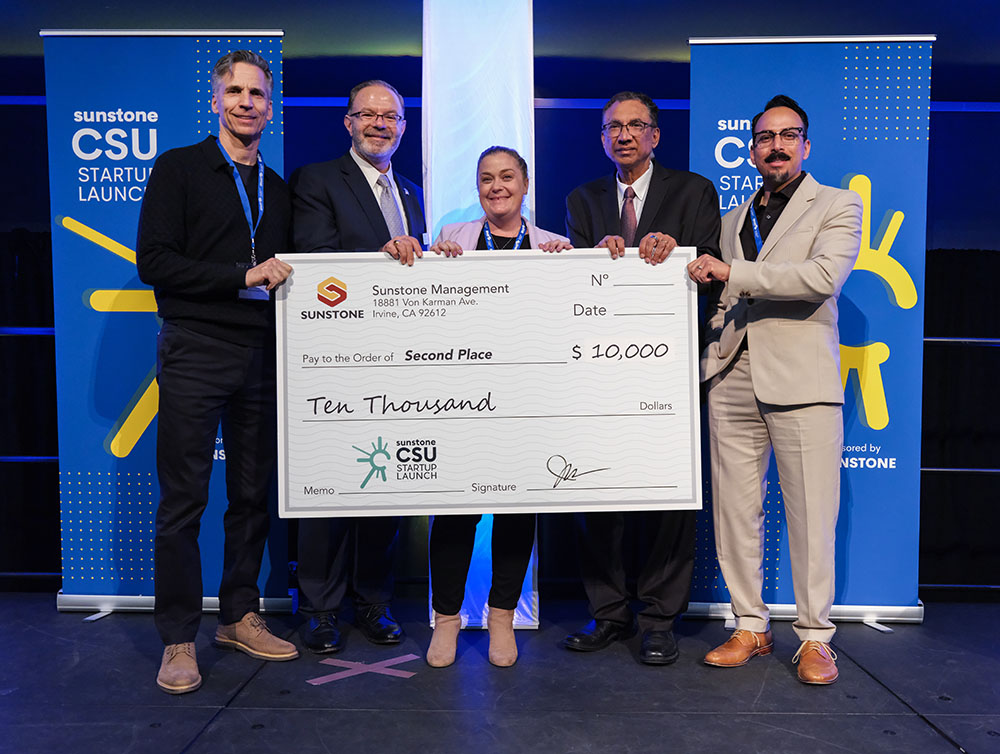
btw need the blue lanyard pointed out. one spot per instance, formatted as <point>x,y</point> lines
<point>246,200</point>
<point>756,228</point>
<point>490,246</point>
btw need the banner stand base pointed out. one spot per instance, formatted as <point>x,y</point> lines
<point>845,613</point>
<point>718,610</point>
<point>121,603</point>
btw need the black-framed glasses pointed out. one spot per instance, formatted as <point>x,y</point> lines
<point>788,137</point>
<point>635,128</point>
<point>367,117</point>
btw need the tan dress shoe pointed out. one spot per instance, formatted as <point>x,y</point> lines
<point>503,647</point>
<point>179,669</point>
<point>444,640</point>
<point>252,636</point>
<point>742,645</point>
<point>817,663</point>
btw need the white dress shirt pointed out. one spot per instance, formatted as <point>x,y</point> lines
<point>641,187</point>
<point>371,174</point>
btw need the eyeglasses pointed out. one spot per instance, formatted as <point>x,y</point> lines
<point>788,136</point>
<point>390,119</point>
<point>635,128</point>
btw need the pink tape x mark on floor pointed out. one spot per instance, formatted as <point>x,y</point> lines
<point>357,668</point>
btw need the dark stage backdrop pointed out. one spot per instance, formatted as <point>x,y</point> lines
<point>958,509</point>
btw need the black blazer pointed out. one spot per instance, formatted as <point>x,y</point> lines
<point>682,204</point>
<point>334,208</point>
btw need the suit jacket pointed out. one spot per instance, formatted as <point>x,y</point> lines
<point>680,203</point>
<point>785,303</point>
<point>334,208</point>
<point>466,234</point>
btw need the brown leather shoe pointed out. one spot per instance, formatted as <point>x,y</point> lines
<point>742,645</point>
<point>817,663</point>
<point>179,669</point>
<point>252,636</point>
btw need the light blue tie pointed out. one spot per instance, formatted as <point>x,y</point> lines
<point>390,210</point>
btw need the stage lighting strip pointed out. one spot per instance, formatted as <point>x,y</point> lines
<point>541,103</point>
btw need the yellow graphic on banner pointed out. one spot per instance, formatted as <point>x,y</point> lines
<point>123,301</point>
<point>136,417</point>
<point>142,408</point>
<point>897,280</point>
<point>867,362</point>
<point>99,238</point>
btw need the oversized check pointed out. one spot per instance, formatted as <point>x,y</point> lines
<point>492,382</point>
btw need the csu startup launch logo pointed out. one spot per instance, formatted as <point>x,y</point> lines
<point>377,459</point>
<point>414,460</point>
<point>331,291</point>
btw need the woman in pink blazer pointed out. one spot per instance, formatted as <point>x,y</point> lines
<point>502,176</point>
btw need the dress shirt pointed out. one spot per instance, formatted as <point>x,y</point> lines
<point>371,174</point>
<point>767,216</point>
<point>641,187</point>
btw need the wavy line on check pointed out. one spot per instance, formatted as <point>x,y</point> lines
<point>312,452</point>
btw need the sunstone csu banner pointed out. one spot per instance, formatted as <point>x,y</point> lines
<point>108,120</point>
<point>868,103</point>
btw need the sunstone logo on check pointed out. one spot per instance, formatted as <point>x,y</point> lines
<point>332,292</point>
<point>411,460</point>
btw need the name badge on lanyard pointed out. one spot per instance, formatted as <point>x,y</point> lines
<point>257,292</point>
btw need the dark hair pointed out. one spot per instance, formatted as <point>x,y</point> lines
<point>224,66</point>
<point>783,100</point>
<point>645,99</point>
<point>505,150</point>
<point>373,82</point>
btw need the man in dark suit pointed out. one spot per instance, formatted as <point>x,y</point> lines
<point>355,203</point>
<point>647,205</point>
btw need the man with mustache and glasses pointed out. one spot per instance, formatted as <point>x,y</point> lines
<point>772,366</point>
<point>355,203</point>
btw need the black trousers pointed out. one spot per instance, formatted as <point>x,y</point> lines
<point>451,545</point>
<point>338,556</point>
<point>202,381</point>
<point>664,579</point>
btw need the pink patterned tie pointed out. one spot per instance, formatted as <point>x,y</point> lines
<point>628,217</point>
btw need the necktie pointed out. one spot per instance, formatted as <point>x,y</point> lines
<point>390,211</point>
<point>628,217</point>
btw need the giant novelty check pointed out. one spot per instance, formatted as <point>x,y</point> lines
<point>488,383</point>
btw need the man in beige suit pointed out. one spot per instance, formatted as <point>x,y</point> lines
<point>772,365</point>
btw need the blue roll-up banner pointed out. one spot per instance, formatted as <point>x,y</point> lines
<point>114,102</point>
<point>868,103</point>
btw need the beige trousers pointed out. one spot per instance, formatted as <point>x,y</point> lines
<point>807,441</point>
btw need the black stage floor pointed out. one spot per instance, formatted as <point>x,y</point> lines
<point>72,686</point>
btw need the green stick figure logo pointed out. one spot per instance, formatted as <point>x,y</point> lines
<point>374,458</point>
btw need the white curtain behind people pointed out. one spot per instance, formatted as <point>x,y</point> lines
<point>478,91</point>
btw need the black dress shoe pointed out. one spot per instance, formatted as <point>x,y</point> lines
<point>378,625</point>
<point>598,634</point>
<point>658,648</point>
<point>321,635</point>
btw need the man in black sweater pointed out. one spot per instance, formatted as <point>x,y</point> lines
<point>212,219</point>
